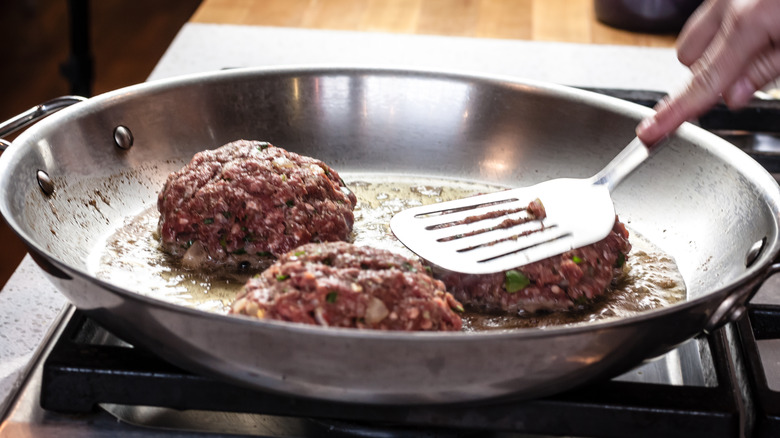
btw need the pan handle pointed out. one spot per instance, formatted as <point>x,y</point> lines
<point>34,114</point>
<point>734,306</point>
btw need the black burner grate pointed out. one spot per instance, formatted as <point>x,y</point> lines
<point>762,324</point>
<point>79,374</point>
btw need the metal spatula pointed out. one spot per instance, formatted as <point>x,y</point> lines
<point>498,231</point>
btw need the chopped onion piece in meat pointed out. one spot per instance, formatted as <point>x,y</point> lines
<point>195,256</point>
<point>376,311</point>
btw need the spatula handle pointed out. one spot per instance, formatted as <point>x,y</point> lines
<point>626,162</point>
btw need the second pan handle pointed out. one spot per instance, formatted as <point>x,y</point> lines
<point>34,114</point>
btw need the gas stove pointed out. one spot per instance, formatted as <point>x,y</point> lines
<point>89,372</point>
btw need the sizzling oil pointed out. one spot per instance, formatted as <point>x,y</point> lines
<point>132,258</point>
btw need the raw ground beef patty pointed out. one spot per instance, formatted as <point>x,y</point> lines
<point>249,200</point>
<point>562,282</point>
<point>343,285</point>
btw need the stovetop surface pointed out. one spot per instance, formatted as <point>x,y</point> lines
<point>88,366</point>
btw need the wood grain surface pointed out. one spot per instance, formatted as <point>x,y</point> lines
<point>539,20</point>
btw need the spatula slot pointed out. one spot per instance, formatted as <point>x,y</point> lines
<point>505,223</point>
<point>515,238</point>
<point>434,213</point>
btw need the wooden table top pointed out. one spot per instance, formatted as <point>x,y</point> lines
<point>571,21</point>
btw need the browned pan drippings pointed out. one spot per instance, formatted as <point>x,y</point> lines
<point>131,256</point>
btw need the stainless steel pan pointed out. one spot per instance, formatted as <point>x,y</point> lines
<point>701,200</point>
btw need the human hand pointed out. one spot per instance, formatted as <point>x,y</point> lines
<point>733,49</point>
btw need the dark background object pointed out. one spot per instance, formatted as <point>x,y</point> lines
<point>78,68</point>
<point>98,46</point>
<point>652,16</point>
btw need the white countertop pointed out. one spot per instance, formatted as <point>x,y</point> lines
<point>205,47</point>
<point>29,304</point>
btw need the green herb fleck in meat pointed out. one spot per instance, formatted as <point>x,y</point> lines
<point>331,297</point>
<point>208,221</point>
<point>240,251</point>
<point>282,277</point>
<point>290,203</point>
<point>515,281</point>
<point>227,214</point>
<point>577,260</point>
<point>621,260</point>
<point>263,254</point>
<point>300,253</point>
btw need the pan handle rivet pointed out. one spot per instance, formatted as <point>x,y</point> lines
<point>736,313</point>
<point>754,252</point>
<point>45,183</point>
<point>123,137</point>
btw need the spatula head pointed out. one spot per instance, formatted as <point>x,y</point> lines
<point>498,231</point>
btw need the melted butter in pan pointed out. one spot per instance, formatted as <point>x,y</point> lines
<point>132,258</point>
